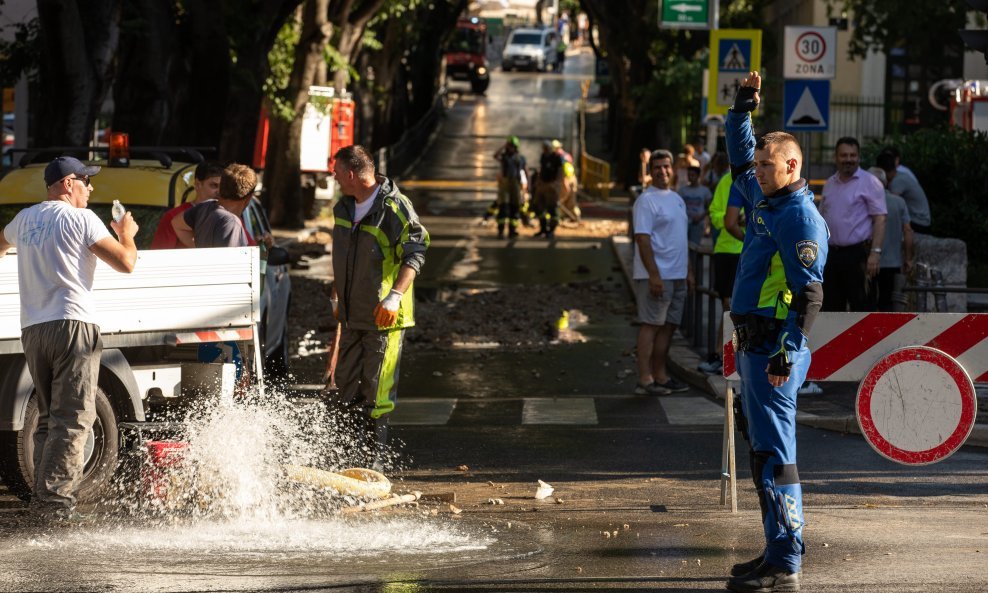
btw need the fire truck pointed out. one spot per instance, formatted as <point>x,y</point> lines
<point>466,55</point>
<point>969,105</point>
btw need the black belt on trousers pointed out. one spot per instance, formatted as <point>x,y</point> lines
<point>752,331</point>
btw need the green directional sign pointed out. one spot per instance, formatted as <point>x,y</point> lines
<point>685,14</point>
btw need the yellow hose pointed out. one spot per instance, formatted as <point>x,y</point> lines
<point>354,481</point>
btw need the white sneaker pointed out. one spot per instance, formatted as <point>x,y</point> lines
<point>714,367</point>
<point>810,388</point>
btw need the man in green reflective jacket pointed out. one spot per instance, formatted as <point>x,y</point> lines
<point>379,247</point>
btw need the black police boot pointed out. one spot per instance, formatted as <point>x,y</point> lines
<point>766,578</point>
<point>500,230</point>
<point>743,568</point>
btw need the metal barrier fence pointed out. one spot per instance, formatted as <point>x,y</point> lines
<point>401,156</point>
<point>595,173</point>
<point>704,305</point>
<point>595,176</point>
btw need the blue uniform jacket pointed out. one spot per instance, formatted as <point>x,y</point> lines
<point>787,224</point>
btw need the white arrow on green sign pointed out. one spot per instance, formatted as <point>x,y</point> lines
<point>684,14</point>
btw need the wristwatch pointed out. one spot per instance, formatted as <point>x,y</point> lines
<point>876,249</point>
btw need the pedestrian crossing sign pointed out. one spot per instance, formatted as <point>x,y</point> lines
<point>733,53</point>
<point>806,105</point>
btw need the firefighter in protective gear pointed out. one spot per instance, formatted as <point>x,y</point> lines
<point>379,247</point>
<point>511,182</point>
<point>567,187</point>
<point>547,190</point>
<point>772,321</point>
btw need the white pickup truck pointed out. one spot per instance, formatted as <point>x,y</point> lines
<point>152,323</point>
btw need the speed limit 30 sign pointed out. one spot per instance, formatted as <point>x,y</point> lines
<point>810,52</point>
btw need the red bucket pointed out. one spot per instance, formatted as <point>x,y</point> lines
<point>155,476</point>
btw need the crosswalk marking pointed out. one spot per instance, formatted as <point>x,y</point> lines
<point>545,410</point>
<point>696,411</point>
<point>573,411</point>
<point>422,412</point>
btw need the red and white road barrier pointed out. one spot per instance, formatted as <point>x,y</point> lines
<point>916,402</point>
<point>846,345</point>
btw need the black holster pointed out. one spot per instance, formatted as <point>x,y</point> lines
<point>755,331</point>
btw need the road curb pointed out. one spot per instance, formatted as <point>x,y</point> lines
<point>683,363</point>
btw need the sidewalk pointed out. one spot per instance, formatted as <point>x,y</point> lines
<point>829,411</point>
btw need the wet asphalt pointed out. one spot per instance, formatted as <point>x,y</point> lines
<point>636,505</point>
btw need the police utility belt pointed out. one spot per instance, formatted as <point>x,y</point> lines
<point>753,331</point>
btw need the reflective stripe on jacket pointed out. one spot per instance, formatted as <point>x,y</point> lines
<point>367,256</point>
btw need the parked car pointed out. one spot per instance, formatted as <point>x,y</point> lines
<point>148,188</point>
<point>530,49</point>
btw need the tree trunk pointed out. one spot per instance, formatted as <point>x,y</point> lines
<point>247,75</point>
<point>142,90</point>
<point>282,169</point>
<point>628,57</point>
<point>78,46</point>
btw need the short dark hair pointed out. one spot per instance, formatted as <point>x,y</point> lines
<point>786,141</point>
<point>207,169</point>
<point>893,151</point>
<point>238,182</point>
<point>693,169</point>
<point>356,159</point>
<point>660,154</point>
<point>850,141</point>
<point>885,160</point>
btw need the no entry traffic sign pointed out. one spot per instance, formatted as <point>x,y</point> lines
<point>916,406</point>
<point>810,52</point>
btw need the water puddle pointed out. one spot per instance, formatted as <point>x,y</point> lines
<point>225,508</point>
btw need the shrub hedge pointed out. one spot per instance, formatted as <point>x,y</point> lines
<point>952,167</point>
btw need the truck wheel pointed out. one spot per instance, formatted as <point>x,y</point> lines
<point>101,452</point>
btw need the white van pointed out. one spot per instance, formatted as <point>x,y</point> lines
<point>533,49</point>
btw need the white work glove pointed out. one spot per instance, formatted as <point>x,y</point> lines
<point>386,312</point>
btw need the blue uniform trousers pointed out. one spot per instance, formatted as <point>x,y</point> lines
<point>771,416</point>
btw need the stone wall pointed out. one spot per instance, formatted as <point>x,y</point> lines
<point>949,257</point>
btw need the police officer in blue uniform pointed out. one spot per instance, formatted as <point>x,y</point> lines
<point>773,313</point>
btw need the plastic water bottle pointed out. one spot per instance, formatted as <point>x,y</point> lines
<point>118,211</point>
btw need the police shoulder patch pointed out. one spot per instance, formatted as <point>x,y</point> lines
<point>806,251</point>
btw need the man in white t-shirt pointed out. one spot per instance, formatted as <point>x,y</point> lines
<point>661,275</point>
<point>58,242</point>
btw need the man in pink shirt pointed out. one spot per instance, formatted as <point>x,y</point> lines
<point>854,208</point>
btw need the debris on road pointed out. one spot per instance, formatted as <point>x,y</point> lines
<point>544,491</point>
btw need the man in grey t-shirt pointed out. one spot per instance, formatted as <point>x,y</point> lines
<point>897,249</point>
<point>217,223</point>
<point>907,186</point>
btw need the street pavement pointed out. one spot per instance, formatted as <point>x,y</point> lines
<point>636,503</point>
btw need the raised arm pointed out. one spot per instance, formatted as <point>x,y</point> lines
<point>737,127</point>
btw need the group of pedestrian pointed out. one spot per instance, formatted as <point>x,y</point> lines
<point>538,194</point>
<point>872,215</point>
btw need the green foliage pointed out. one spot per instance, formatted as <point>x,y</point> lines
<point>19,55</point>
<point>951,166</point>
<point>281,58</point>
<point>925,26</point>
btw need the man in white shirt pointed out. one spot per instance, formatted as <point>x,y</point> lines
<point>58,242</point>
<point>661,275</point>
